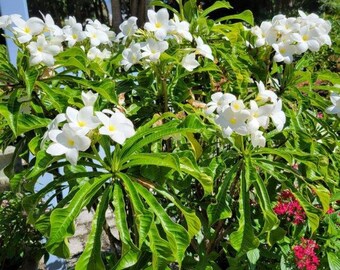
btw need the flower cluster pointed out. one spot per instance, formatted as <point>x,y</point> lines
<point>305,257</point>
<point>289,207</point>
<point>44,39</point>
<point>233,116</point>
<point>289,36</point>
<point>158,31</point>
<point>75,134</point>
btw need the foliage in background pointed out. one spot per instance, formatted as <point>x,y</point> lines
<point>185,193</point>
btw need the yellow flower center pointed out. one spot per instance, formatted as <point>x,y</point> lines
<point>233,120</point>
<point>112,128</point>
<point>71,142</point>
<point>305,38</point>
<point>158,25</point>
<point>82,123</point>
<point>27,30</point>
<point>236,106</point>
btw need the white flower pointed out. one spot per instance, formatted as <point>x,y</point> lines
<point>180,29</point>
<point>51,27</point>
<point>42,52</point>
<point>69,142</point>
<point>335,108</point>
<point>237,105</point>
<point>259,116</point>
<point>73,31</point>
<point>284,52</point>
<point>25,30</point>
<point>6,20</point>
<point>189,62</point>
<point>127,28</point>
<point>233,121</point>
<point>118,127</point>
<point>277,115</point>
<point>53,125</point>
<point>265,95</point>
<point>158,23</point>
<point>219,102</point>
<point>95,53</point>
<point>102,28</point>
<point>203,49</point>
<point>96,36</point>
<point>82,120</point>
<point>89,98</point>
<point>153,49</point>
<point>131,56</point>
<point>257,139</point>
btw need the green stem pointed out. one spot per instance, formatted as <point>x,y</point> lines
<point>164,95</point>
<point>181,9</point>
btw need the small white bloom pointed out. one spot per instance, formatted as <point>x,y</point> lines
<point>259,116</point>
<point>96,36</point>
<point>284,52</point>
<point>118,127</point>
<point>82,120</point>
<point>180,29</point>
<point>89,98</point>
<point>219,102</point>
<point>265,95</point>
<point>335,108</point>
<point>6,20</point>
<point>189,62</point>
<point>53,125</point>
<point>73,31</point>
<point>69,142</point>
<point>25,30</point>
<point>257,139</point>
<point>127,28</point>
<point>237,105</point>
<point>131,56</point>
<point>153,49</point>
<point>95,53</point>
<point>203,49</point>
<point>42,52</point>
<point>236,121</point>
<point>277,115</point>
<point>158,23</point>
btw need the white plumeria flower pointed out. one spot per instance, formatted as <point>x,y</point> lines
<point>237,105</point>
<point>284,52</point>
<point>131,56</point>
<point>158,23</point>
<point>306,39</point>
<point>180,29</point>
<point>259,116</point>
<point>82,120</point>
<point>265,95</point>
<point>277,115</point>
<point>6,20</point>
<point>50,26</point>
<point>234,121</point>
<point>118,127</point>
<point>96,36</point>
<point>189,62</point>
<point>127,28</point>
<point>335,108</point>
<point>53,125</point>
<point>203,49</point>
<point>25,30</point>
<point>69,142</point>
<point>95,53</point>
<point>89,98</point>
<point>257,139</point>
<point>42,52</point>
<point>219,102</point>
<point>73,31</point>
<point>153,49</point>
<point>103,28</point>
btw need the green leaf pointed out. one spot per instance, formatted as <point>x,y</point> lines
<point>91,256</point>
<point>161,253</point>
<point>158,159</point>
<point>30,77</point>
<point>220,209</point>
<point>130,252</point>
<point>177,236</point>
<point>143,216</point>
<point>189,166</point>
<point>246,16</point>
<point>270,219</point>
<point>192,221</point>
<point>28,122</point>
<point>62,218</point>
<point>215,6</point>
<point>275,152</point>
<point>333,261</point>
<point>244,239</point>
<point>324,196</point>
<point>253,256</point>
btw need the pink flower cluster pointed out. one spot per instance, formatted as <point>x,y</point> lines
<point>290,207</point>
<point>305,257</point>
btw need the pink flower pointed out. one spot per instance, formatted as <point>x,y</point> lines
<point>305,257</point>
<point>289,207</point>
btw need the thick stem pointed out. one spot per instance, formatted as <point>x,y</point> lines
<point>164,95</point>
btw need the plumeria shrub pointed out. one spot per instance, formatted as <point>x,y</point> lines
<point>214,143</point>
